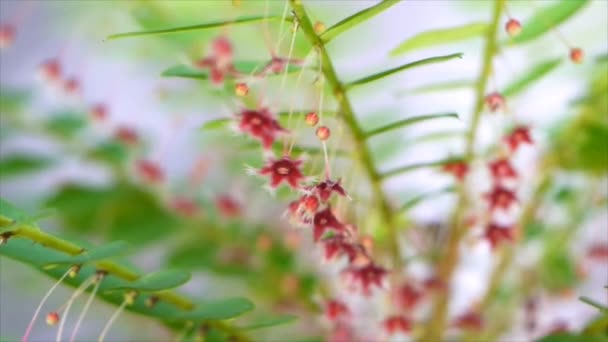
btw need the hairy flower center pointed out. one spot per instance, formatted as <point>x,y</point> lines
<point>282,170</point>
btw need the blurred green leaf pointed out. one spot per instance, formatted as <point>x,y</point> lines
<point>571,337</point>
<point>451,85</point>
<point>13,100</point>
<point>111,152</point>
<point>441,36</point>
<point>546,18</point>
<point>17,165</point>
<point>10,214</point>
<point>415,166</point>
<point>217,24</point>
<point>157,281</point>
<point>219,309</point>
<point>412,202</point>
<point>66,124</point>
<point>536,73</point>
<point>389,72</point>
<point>108,250</point>
<point>557,270</point>
<point>602,308</point>
<point>244,67</point>
<point>356,19</point>
<point>268,321</point>
<point>408,121</point>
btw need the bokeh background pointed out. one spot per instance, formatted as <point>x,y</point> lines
<point>168,114</point>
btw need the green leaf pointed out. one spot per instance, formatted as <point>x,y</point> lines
<point>66,125</point>
<point>111,249</point>
<point>547,18</point>
<point>389,72</point>
<point>415,166</point>
<point>112,152</point>
<point>217,24</point>
<point>441,36</point>
<point>244,67</point>
<point>557,270</point>
<point>157,281</point>
<point>219,309</point>
<point>22,164</point>
<point>412,202</point>
<point>408,121</point>
<point>587,300</point>
<point>451,85</point>
<point>356,19</point>
<point>536,73</point>
<point>9,214</point>
<point>13,100</point>
<point>270,321</point>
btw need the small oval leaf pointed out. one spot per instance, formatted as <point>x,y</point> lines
<point>356,19</point>
<point>536,73</point>
<point>157,281</point>
<point>219,309</point>
<point>270,321</point>
<point>441,36</point>
<point>111,249</point>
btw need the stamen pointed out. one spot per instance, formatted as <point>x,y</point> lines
<point>44,299</point>
<point>293,40</point>
<point>282,25</point>
<point>291,107</point>
<point>69,303</point>
<point>129,299</point>
<point>98,278</point>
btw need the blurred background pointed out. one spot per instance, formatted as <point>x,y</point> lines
<point>76,145</point>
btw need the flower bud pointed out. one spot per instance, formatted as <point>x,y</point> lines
<point>576,55</point>
<point>241,89</point>
<point>323,133</point>
<point>311,119</point>
<point>319,27</point>
<point>513,27</point>
<point>52,318</point>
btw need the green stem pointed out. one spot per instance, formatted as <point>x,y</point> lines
<point>358,135</point>
<point>435,329</point>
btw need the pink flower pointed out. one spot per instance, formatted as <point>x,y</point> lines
<point>51,70</point>
<point>185,206</point>
<point>520,135</point>
<point>397,324</point>
<point>7,35</point>
<point>277,65</point>
<point>126,135</point>
<point>337,246</point>
<point>500,198</point>
<point>495,101</point>
<point>326,188</point>
<point>365,277</point>
<point>260,125</point>
<point>325,220</point>
<point>407,297</point>
<point>335,309</point>
<point>469,321</point>
<point>283,170</point>
<point>496,234</point>
<point>149,171</point>
<point>502,169</point>
<point>458,169</point>
<point>99,111</point>
<point>227,206</point>
<point>219,62</point>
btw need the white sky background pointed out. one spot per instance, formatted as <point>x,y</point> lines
<point>132,86</point>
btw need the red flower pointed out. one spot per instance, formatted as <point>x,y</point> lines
<point>502,169</point>
<point>365,277</point>
<point>407,296</point>
<point>469,321</point>
<point>326,188</point>
<point>99,112</point>
<point>71,86</point>
<point>227,206</point>
<point>185,206</point>
<point>397,324</point>
<point>260,125</point>
<point>219,61</point>
<point>500,198</point>
<point>338,245</point>
<point>336,309</point>
<point>341,333</point>
<point>518,136</point>
<point>51,70</point>
<point>304,208</point>
<point>126,135</point>
<point>496,234</point>
<point>284,169</point>
<point>433,284</point>
<point>457,168</point>
<point>495,101</point>
<point>278,64</point>
<point>7,36</point>
<point>598,251</point>
<point>324,220</point>
<point>149,171</point>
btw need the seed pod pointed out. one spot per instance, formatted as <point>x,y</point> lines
<point>241,89</point>
<point>513,27</point>
<point>311,119</point>
<point>323,133</point>
<point>319,27</point>
<point>576,55</point>
<point>52,318</point>
<point>74,271</point>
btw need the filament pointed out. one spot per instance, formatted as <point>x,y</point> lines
<point>293,39</point>
<point>111,321</point>
<point>291,107</point>
<point>282,25</point>
<point>69,303</point>
<point>86,307</point>
<point>44,299</point>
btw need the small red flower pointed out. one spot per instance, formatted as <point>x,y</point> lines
<point>283,170</point>
<point>500,198</point>
<point>433,284</point>
<point>7,36</point>
<point>303,209</point>
<point>71,86</point>
<point>407,297</point>
<point>126,135</point>
<point>99,112</point>
<point>397,324</point>
<point>227,206</point>
<point>520,135</point>
<point>278,64</point>
<point>495,101</point>
<point>326,188</point>
<point>219,62</point>
<point>598,251</point>
<point>51,70</point>
<point>502,169</point>
<point>185,206</point>
<point>337,246</point>
<point>325,220</point>
<point>336,309</point>
<point>469,321</point>
<point>365,277</point>
<point>149,171</point>
<point>457,168</point>
<point>496,234</point>
<point>260,125</point>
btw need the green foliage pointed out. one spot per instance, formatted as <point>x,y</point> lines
<point>569,337</point>
<point>111,249</point>
<point>268,321</point>
<point>157,281</point>
<point>218,309</point>
<point>547,18</point>
<point>13,100</point>
<point>557,270</point>
<point>408,121</point>
<point>527,79</point>
<point>440,37</point>
<point>66,124</point>
<point>356,19</point>
<point>111,152</point>
<point>392,71</point>
<point>244,67</point>
<point>17,165</point>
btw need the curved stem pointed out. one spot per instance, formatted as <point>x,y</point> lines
<point>347,115</point>
<point>435,329</point>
